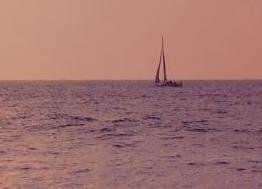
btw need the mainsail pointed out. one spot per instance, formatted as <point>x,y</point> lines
<point>164,61</point>
<point>165,82</point>
<point>157,80</point>
<point>162,57</point>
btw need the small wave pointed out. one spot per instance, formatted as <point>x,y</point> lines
<point>112,136</point>
<point>240,147</point>
<point>152,118</point>
<point>221,163</point>
<point>198,126</point>
<point>25,168</point>
<point>79,171</point>
<point>241,169</point>
<point>187,122</point>
<point>31,148</point>
<point>257,171</point>
<point>125,145</point>
<point>69,125</point>
<point>242,131</point>
<point>173,137</point>
<point>88,119</point>
<point>70,117</point>
<point>201,130</point>
<point>106,130</point>
<point>202,121</point>
<point>123,120</point>
<point>196,164</point>
<point>255,161</point>
<point>118,146</point>
<point>221,112</point>
<point>197,130</point>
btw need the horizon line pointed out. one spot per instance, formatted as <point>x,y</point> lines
<point>191,79</point>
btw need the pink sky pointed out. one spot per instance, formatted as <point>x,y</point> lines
<point>121,39</point>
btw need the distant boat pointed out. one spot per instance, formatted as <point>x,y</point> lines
<point>165,82</point>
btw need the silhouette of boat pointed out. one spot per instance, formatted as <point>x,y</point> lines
<point>165,82</point>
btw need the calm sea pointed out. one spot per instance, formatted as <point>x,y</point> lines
<point>130,135</point>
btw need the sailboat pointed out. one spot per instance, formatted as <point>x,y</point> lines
<point>165,82</point>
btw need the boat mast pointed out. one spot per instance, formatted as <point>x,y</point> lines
<point>164,60</point>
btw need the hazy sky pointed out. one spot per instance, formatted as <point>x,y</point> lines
<point>121,39</point>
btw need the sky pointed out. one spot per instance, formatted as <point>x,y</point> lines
<point>121,39</point>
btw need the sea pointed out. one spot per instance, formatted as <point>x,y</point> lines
<point>130,135</point>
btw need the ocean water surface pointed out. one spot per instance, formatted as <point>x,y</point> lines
<point>130,135</point>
